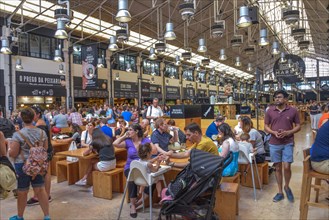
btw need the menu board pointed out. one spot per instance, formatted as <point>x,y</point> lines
<point>155,91</point>
<point>80,93</point>
<point>202,93</point>
<point>189,93</point>
<point>125,90</point>
<point>172,92</point>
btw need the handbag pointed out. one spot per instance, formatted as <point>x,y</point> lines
<point>73,146</point>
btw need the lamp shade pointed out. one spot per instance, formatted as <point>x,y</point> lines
<point>58,56</point>
<point>170,34</point>
<point>237,61</point>
<point>113,44</point>
<point>263,41</point>
<point>18,65</point>
<point>5,46</point>
<point>123,14</point>
<point>202,46</point>
<point>100,63</point>
<point>275,48</point>
<point>152,55</point>
<point>249,68</point>
<point>128,69</point>
<point>222,55</point>
<point>178,62</point>
<point>244,20</point>
<point>61,69</point>
<point>283,58</point>
<point>60,32</point>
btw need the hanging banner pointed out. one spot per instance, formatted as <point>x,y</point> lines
<point>89,56</point>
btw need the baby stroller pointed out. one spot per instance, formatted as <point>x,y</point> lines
<point>192,193</point>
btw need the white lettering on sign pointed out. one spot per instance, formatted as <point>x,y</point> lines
<point>177,111</point>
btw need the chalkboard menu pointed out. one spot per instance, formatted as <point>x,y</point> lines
<point>145,89</point>
<point>189,93</point>
<point>125,90</point>
<point>172,92</point>
<point>212,92</point>
<point>80,93</point>
<point>202,93</point>
<point>155,91</point>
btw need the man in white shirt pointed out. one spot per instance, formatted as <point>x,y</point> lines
<point>153,112</point>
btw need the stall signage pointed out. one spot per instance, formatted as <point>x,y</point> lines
<point>212,93</point>
<point>155,91</point>
<point>188,93</point>
<point>89,55</point>
<point>286,71</point>
<point>172,92</point>
<point>202,93</point>
<point>125,90</point>
<point>145,89</point>
<point>83,93</point>
<point>207,111</point>
<point>177,111</point>
<point>40,84</point>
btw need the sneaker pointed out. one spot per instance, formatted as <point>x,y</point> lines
<point>46,217</point>
<point>81,182</point>
<point>289,194</point>
<point>16,218</point>
<point>32,201</point>
<point>278,197</point>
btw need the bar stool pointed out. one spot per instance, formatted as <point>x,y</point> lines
<point>308,174</point>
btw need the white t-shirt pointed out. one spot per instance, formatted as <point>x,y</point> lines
<point>83,137</point>
<point>154,112</point>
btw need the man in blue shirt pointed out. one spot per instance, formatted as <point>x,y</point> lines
<point>213,127</point>
<point>126,114</point>
<point>109,114</point>
<point>106,130</point>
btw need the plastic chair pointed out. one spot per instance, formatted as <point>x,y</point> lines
<point>249,158</point>
<point>140,177</point>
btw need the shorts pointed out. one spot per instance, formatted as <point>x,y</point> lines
<point>106,165</point>
<point>24,181</point>
<point>282,153</point>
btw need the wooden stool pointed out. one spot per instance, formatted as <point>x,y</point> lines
<point>246,180</point>
<point>104,183</point>
<point>53,163</point>
<point>67,171</point>
<point>232,179</point>
<point>121,163</point>
<point>227,201</point>
<point>308,174</point>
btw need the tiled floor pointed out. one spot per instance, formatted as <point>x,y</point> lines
<point>74,202</point>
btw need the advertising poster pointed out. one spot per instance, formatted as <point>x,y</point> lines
<point>89,62</point>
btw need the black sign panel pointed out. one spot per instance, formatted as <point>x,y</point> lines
<point>189,93</point>
<point>172,92</point>
<point>155,91</point>
<point>177,111</point>
<point>101,83</point>
<point>145,89</point>
<point>39,84</point>
<point>185,111</point>
<point>2,84</point>
<point>212,93</point>
<point>84,93</point>
<point>89,55</point>
<point>202,93</point>
<point>245,110</point>
<point>127,90</point>
<point>287,71</point>
<point>207,111</point>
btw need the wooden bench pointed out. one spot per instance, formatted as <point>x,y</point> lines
<point>227,201</point>
<point>67,171</point>
<point>104,183</point>
<point>262,171</point>
<point>232,179</point>
<point>53,163</point>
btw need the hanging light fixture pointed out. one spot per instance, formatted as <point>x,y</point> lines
<point>263,41</point>
<point>244,20</point>
<point>113,44</point>
<point>170,34</point>
<point>283,58</point>
<point>58,56</point>
<point>222,55</point>
<point>178,62</point>
<point>60,32</point>
<point>5,46</point>
<point>123,14</point>
<point>249,68</point>
<point>275,48</point>
<point>197,66</point>
<point>202,46</point>
<point>117,76</point>
<point>153,73</point>
<point>100,63</point>
<point>152,55</point>
<point>61,69</point>
<point>18,65</point>
<point>128,69</point>
<point>237,61</point>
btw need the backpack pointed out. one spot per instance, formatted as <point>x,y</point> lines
<point>8,179</point>
<point>37,161</point>
<point>7,127</point>
<point>266,139</point>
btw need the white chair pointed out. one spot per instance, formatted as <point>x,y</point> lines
<point>245,157</point>
<point>140,177</point>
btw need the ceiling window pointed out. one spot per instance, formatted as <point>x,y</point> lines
<point>151,67</point>
<point>171,71</point>
<point>187,74</point>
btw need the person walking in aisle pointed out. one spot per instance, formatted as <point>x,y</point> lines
<point>153,112</point>
<point>279,122</point>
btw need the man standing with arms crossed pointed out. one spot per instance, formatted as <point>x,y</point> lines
<point>279,122</point>
<point>153,112</point>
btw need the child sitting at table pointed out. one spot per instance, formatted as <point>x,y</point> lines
<point>145,154</point>
<point>102,145</point>
<point>246,147</point>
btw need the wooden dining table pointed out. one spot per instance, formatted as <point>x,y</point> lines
<point>60,145</point>
<point>85,160</point>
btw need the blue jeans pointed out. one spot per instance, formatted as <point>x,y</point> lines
<point>282,153</point>
<point>24,181</point>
